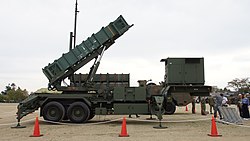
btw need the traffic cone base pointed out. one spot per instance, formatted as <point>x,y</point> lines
<point>214,135</point>
<point>36,135</point>
<point>123,135</point>
<point>124,129</point>
<point>36,132</point>
<point>214,132</point>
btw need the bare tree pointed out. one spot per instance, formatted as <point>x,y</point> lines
<point>241,85</point>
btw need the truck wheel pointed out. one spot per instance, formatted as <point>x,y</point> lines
<point>91,116</point>
<point>78,112</point>
<point>170,108</point>
<point>53,111</point>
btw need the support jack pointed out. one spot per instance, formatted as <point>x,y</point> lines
<point>160,126</point>
<point>18,126</point>
<point>18,119</point>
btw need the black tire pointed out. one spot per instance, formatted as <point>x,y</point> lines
<point>53,111</point>
<point>78,112</point>
<point>91,116</point>
<point>169,108</point>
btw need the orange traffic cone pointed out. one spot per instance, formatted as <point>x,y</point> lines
<point>36,132</point>
<point>214,132</point>
<point>124,129</point>
<point>186,108</point>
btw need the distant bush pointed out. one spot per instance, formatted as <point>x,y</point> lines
<point>2,99</point>
<point>13,94</point>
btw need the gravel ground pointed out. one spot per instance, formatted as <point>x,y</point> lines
<point>182,126</point>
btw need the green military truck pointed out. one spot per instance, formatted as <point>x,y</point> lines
<point>92,94</point>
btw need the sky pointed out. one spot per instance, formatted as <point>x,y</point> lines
<point>34,33</point>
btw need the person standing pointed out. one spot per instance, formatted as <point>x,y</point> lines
<point>211,103</point>
<point>224,100</point>
<point>193,106</point>
<point>217,104</point>
<point>239,104</point>
<point>245,104</point>
<point>203,106</point>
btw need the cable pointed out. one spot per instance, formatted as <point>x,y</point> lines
<point>13,123</point>
<point>174,121</point>
<point>234,124</point>
<point>128,119</point>
<point>96,123</point>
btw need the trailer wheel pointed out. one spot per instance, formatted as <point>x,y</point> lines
<point>53,111</point>
<point>78,112</point>
<point>169,108</point>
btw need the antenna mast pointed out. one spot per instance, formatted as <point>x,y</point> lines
<point>73,34</point>
<point>76,11</point>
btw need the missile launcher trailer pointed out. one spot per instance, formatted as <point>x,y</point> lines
<point>93,94</point>
<point>89,49</point>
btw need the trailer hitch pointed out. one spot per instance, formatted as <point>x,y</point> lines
<point>18,118</point>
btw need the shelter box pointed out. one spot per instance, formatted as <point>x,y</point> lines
<point>184,71</point>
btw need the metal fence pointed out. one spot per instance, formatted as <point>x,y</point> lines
<point>231,115</point>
